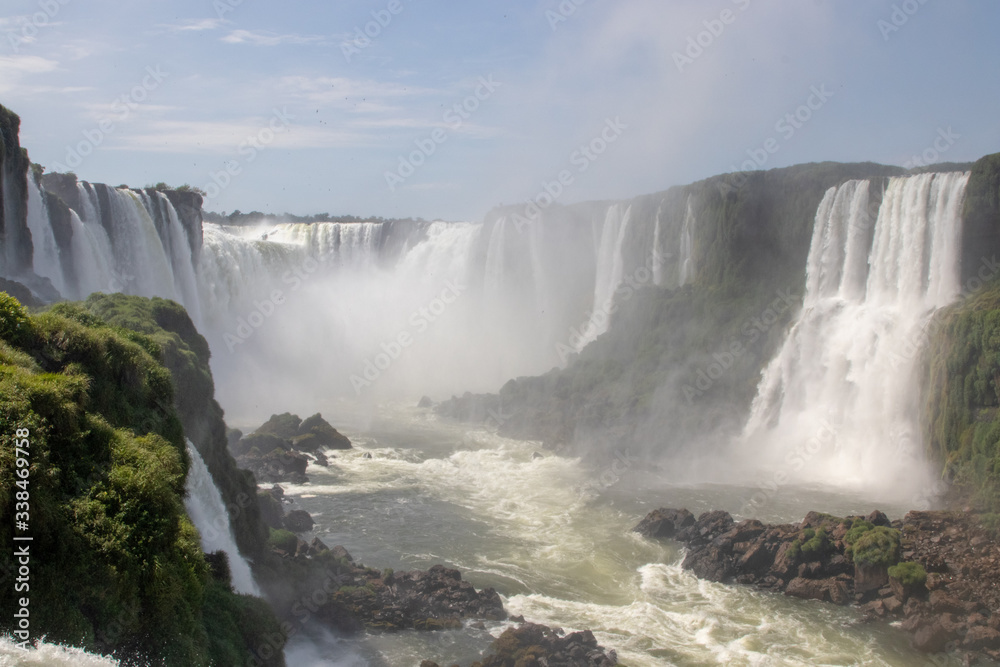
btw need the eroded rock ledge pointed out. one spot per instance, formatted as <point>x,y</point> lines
<point>532,645</point>
<point>937,572</point>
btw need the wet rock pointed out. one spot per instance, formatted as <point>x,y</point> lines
<point>664,523</point>
<point>532,645</point>
<point>878,518</point>
<point>299,521</point>
<point>340,552</point>
<point>981,637</point>
<point>932,637</point>
<point>959,604</point>
<point>425,402</point>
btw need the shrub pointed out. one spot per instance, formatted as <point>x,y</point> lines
<point>858,528</point>
<point>817,543</point>
<point>794,549</point>
<point>909,573</point>
<point>283,539</point>
<point>15,324</point>
<point>879,546</point>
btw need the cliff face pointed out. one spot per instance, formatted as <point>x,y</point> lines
<point>962,355</point>
<point>116,565</point>
<point>14,235</point>
<point>652,379</point>
<point>981,217</point>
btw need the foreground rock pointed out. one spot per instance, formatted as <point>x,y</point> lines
<point>281,449</point>
<point>533,645</point>
<point>350,597</point>
<point>935,571</point>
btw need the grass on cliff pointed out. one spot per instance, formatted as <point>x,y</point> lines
<point>116,565</point>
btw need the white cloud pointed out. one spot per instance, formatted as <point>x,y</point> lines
<point>193,25</point>
<point>15,68</point>
<point>265,38</point>
<point>225,137</point>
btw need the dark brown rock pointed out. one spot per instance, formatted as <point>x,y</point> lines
<point>664,523</point>
<point>298,521</point>
<point>932,637</point>
<point>981,637</point>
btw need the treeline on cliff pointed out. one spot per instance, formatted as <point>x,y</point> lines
<point>116,564</point>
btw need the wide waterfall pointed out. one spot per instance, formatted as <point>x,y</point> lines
<point>840,399</point>
<point>208,512</point>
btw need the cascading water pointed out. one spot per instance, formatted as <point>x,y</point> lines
<point>262,295</point>
<point>685,263</point>
<point>208,512</point>
<point>46,251</point>
<point>840,399</point>
<point>610,270</point>
<point>45,654</point>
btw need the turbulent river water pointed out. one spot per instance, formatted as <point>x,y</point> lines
<point>553,536</point>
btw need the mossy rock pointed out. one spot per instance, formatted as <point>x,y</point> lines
<point>878,547</point>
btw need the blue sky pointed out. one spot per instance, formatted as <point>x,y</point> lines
<point>308,117</point>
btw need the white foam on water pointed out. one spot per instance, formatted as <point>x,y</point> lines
<point>49,655</point>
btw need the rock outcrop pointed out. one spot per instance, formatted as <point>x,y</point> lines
<point>934,571</point>
<point>281,449</point>
<point>349,597</point>
<point>530,645</point>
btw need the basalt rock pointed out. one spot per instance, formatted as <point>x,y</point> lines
<point>298,521</point>
<point>539,645</point>
<point>280,450</point>
<point>958,607</point>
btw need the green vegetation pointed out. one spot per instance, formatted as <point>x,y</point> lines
<point>909,573</point>
<point>879,546</point>
<point>185,354</point>
<point>857,529</point>
<point>962,399</point>
<point>283,539</point>
<point>163,187</point>
<point>116,563</point>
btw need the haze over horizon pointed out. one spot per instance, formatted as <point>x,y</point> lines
<point>147,92</point>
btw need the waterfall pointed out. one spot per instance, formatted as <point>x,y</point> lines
<point>610,271</point>
<point>657,253</point>
<point>208,512</point>
<point>92,257</point>
<point>344,246</point>
<point>46,250</point>
<point>686,261</point>
<point>840,399</point>
<point>493,279</point>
